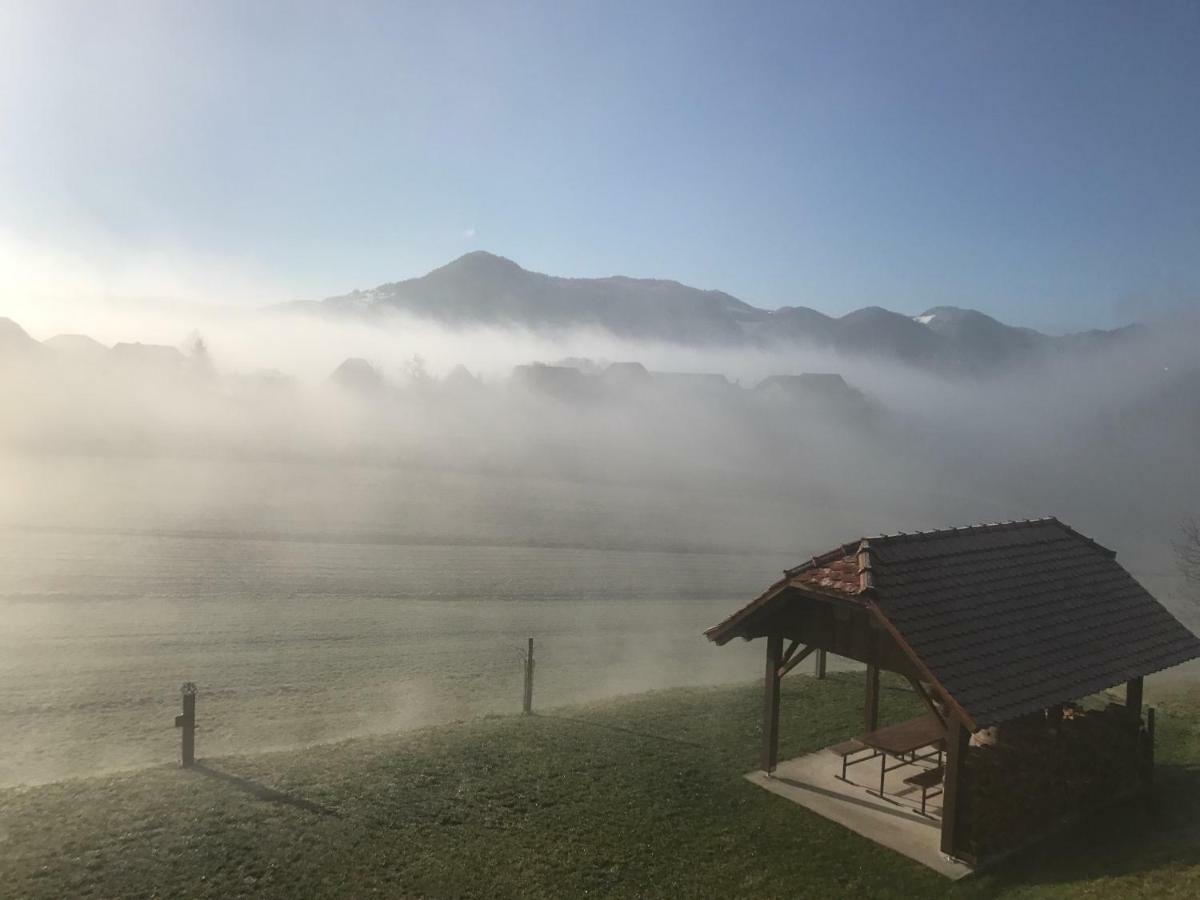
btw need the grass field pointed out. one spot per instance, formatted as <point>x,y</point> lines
<point>641,796</point>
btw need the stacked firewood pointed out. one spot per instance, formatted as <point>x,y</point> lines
<point>1037,774</point>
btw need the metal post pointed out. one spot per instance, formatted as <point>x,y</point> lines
<point>820,668</point>
<point>527,704</point>
<point>187,722</point>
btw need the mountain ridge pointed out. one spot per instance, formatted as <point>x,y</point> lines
<point>481,288</point>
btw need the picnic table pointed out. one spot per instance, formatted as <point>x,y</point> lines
<point>902,741</point>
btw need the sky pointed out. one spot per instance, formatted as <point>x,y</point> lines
<point>1036,161</point>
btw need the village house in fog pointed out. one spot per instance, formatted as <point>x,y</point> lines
<point>461,382</point>
<point>824,391</point>
<point>696,384</point>
<point>150,356</point>
<point>560,382</point>
<point>626,376</point>
<point>808,385</point>
<point>628,379</point>
<point>357,375</point>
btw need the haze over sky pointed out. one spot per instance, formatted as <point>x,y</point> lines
<point>1037,161</point>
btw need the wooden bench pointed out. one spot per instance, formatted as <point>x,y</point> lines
<point>847,749</point>
<point>926,780</point>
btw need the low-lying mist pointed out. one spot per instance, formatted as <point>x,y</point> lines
<point>1105,440</point>
<point>334,548</point>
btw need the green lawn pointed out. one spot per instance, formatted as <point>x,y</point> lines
<point>641,796</point>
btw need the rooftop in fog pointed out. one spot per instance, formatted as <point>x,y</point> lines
<point>1006,619</point>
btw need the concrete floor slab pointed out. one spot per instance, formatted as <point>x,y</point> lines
<point>895,822</point>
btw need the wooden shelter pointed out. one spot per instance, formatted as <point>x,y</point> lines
<point>988,623</point>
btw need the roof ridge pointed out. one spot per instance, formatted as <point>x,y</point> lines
<point>840,552</point>
<point>969,529</point>
<point>1013,525</point>
<point>866,578</point>
<point>967,551</point>
<point>1108,551</point>
<point>863,544</point>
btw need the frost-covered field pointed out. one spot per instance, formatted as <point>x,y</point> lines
<point>312,602</point>
<point>294,641</point>
<point>296,636</point>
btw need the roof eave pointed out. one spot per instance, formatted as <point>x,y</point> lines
<point>725,631</point>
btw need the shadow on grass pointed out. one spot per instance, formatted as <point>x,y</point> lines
<point>262,792</point>
<point>617,728</point>
<point>1131,838</point>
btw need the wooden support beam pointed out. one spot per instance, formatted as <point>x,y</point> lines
<point>820,667</point>
<point>1133,697</point>
<point>1149,780</point>
<point>787,654</point>
<point>770,751</point>
<point>795,660</point>
<point>926,699</point>
<point>871,707</point>
<point>1054,715</point>
<point>957,744</point>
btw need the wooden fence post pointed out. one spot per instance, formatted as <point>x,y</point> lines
<point>187,722</point>
<point>527,705</point>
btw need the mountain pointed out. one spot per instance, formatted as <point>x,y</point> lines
<point>483,289</point>
<point>977,340</point>
<point>76,345</point>
<point>15,341</point>
<point>879,332</point>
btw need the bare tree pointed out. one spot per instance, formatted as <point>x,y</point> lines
<point>198,357</point>
<point>1187,555</point>
<point>415,372</point>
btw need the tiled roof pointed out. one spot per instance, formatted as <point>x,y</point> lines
<point>1008,618</point>
<point>835,572</point>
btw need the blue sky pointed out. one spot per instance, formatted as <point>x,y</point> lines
<point>1038,161</point>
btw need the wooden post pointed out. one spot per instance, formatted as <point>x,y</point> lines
<point>527,703</point>
<point>770,753</point>
<point>957,743</point>
<point>1149,748</point>
<point>871,710</point>
<point>1133,697</point>
<point>187,721</point>
<point>820,669</point>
